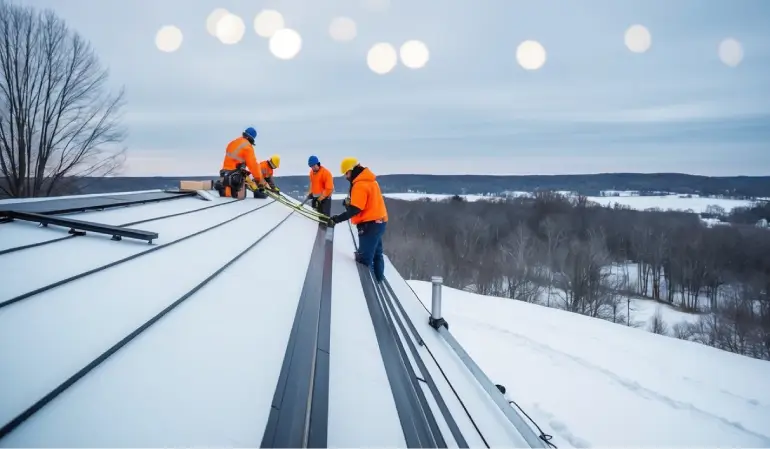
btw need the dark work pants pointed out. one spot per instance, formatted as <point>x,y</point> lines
<point>325,207</point>
<point>370,247</point>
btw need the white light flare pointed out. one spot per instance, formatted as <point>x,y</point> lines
<point>230,29</point>
<point>638,38</point>
<point>168,39</point>
<point>414,54</point>
<point>730,52</point>
<point>213,18</point>
<point>343,29</point>
<point>285,43</point>
<point>268,22</point>
<point>381,58</point>
<point>531,55</point>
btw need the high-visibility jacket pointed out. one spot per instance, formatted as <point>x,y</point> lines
<point>267,172</point>
<point>365,195</point>
<point>241,151</point>
<point>321,183</point>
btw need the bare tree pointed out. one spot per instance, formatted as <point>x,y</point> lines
<point>520,265</point>
<point>554,235</point>
<point>683,330</point>
<point>58,121</point>
<point>519,246</point>
<point>657,324</point>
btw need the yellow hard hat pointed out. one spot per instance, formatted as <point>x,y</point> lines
<point>276,160</point>
<point>347,164</point>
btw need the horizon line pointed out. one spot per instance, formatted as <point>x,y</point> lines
<point>466,174</point>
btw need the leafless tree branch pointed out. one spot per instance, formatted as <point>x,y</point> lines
<point>58,119</point>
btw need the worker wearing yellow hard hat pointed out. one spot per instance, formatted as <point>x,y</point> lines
<point>267,167</point>
<point>365,208</point>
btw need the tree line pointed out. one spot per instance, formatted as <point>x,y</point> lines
<point>570,253</point>
<point>58,120</point>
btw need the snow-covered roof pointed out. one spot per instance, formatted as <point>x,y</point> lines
<point>241,323</point>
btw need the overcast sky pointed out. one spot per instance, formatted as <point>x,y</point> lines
<point>594,106</point>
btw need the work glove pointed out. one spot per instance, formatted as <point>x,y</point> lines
<point>309,196</point>
<point>314,203</point>
<point>346,201</point>
<point>331,221</point>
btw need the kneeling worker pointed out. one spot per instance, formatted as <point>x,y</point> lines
<point>239,155</point>
<point>321,186</point>
<point>267,167</point>
<point>365,209</point>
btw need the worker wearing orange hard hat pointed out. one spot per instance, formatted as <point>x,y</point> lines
<point>365,208</point>
<point>239,155</point>
<point>321,186</point>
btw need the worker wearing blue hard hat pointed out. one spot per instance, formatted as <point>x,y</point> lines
<point>239,156</point>
<point>321,186</point>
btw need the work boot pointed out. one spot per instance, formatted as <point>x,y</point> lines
<point>260,194</point>
<point>219,188</point>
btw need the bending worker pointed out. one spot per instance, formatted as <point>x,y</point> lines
<point>239,155</point>
<point>365,207</point>
<point>267,167</point>
<point>321,186</point>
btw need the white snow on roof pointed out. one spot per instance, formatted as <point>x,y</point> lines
<point>89,195</point>
<point>205,374</point>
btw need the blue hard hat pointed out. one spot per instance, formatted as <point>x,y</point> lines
<point>251,132</point>
<point>312,160</point>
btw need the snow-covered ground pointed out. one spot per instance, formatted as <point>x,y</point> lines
<point>640,311</point>
<point>673,202</point>
<point>419,196</point>
<point>592,383</point>
<point>695,204</point>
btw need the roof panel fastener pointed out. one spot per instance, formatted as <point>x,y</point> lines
<point>80,227</point>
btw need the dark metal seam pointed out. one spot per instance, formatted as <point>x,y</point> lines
<point>289,423</point>
<point>125,259</point>
<point>428,379</point>
<point>162,217</point>
<point>390,359</point>
<point>93,203</point>
<point>416,433</point>
<point>319,412</point>
<point>419,402</point>
<point>34,408</point>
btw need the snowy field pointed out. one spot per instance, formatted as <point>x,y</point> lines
<point>418,196</point>
<point>641,310</point>
<point>673,202</point>
<point>592,383</point>
<point>665,202</point>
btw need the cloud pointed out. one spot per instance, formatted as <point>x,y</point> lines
<point>593,106</point>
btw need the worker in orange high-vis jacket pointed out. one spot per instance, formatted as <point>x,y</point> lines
<point>239,155</point>
<point>365,208</point>
<point>267,168</point>
<point>321,186</point>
